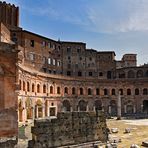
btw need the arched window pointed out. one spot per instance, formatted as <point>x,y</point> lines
<point>24,86</point>
<point>58,90</point>
<point>32,87</point>
<point>113,92</point>
<point>131,74</point>
<point>73,91</point>
<point>105,91</point>
<point>38,88</point>
<point>139,74</point>
<point>66,90</point>
<point>128,91</point>
<point>20,84</point>
<point>121,91</point>
<point>145,92</point>
<point>97,91</point>
<point>28,89</point>
<point>121,74</point>
<point>81,91</point>
<point>136,91</point>
<point>66,105</point>
<point>51,89</point>
<point>89,91</point>
<point>44,88</point>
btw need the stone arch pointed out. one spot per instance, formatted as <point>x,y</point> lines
<point>66,105</point>
<point>139,74</point>
<point>82,105</point>
<point>131,74</point>
<point>38,108</point>
<point>98,105</point>
<point>28,105</point>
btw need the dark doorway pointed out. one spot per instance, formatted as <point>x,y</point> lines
<point>145,106</point>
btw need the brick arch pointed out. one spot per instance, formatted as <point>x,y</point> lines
<point>131,74</point>
<point>139,74</point>
<point>66,105</point>
<point>98,104</point>
<point>82,105</point>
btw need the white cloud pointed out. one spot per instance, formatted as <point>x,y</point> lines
<point>121,16</point>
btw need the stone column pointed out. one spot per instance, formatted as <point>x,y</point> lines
<point>33,112</point>
<point>37,112</point>
<point>48,109</point>
<point>141,108</point>
<point>43,110</point>
<point>125,110</point>
<point>78,108</point>
<point>134,109</point>
<point>119,107</point>
<point>94,109</point>
<point>71,109</point>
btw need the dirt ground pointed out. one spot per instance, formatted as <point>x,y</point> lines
<point>139,131</point>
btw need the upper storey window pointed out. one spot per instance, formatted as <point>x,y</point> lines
<point>54,62</point>
<point>68,49</point>
<point>49,60</point>
<point>31,56</point>
<point>32,43</point>
<point>58,63</point>
<point>54,46</point>
<point>49,45</point>
<point>43,44</point>
<point>79,50</point>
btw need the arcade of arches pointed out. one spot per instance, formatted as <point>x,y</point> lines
<point>39,97</point>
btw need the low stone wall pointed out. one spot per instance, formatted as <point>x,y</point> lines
<point>69,128</point>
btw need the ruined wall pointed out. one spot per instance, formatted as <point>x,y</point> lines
<point>8,98</point>
<point>69,128</point>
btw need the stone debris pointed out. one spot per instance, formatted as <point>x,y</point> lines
<point>69,128</point>
<point>127,130</point>
<point>134,146</point>
<point>114,130</point>
<point>145,143</point>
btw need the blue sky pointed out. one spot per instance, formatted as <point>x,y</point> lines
<point>114,25</point>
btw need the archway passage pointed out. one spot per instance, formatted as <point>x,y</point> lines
<point>66,105</point>
<point>98,105</point>
<point>82,105</point>
<point>145,106</point>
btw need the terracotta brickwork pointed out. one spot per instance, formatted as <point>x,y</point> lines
<point>55,76</point>
<point>8,87</point>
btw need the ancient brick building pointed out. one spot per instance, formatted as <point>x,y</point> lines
<point>57,76</point>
